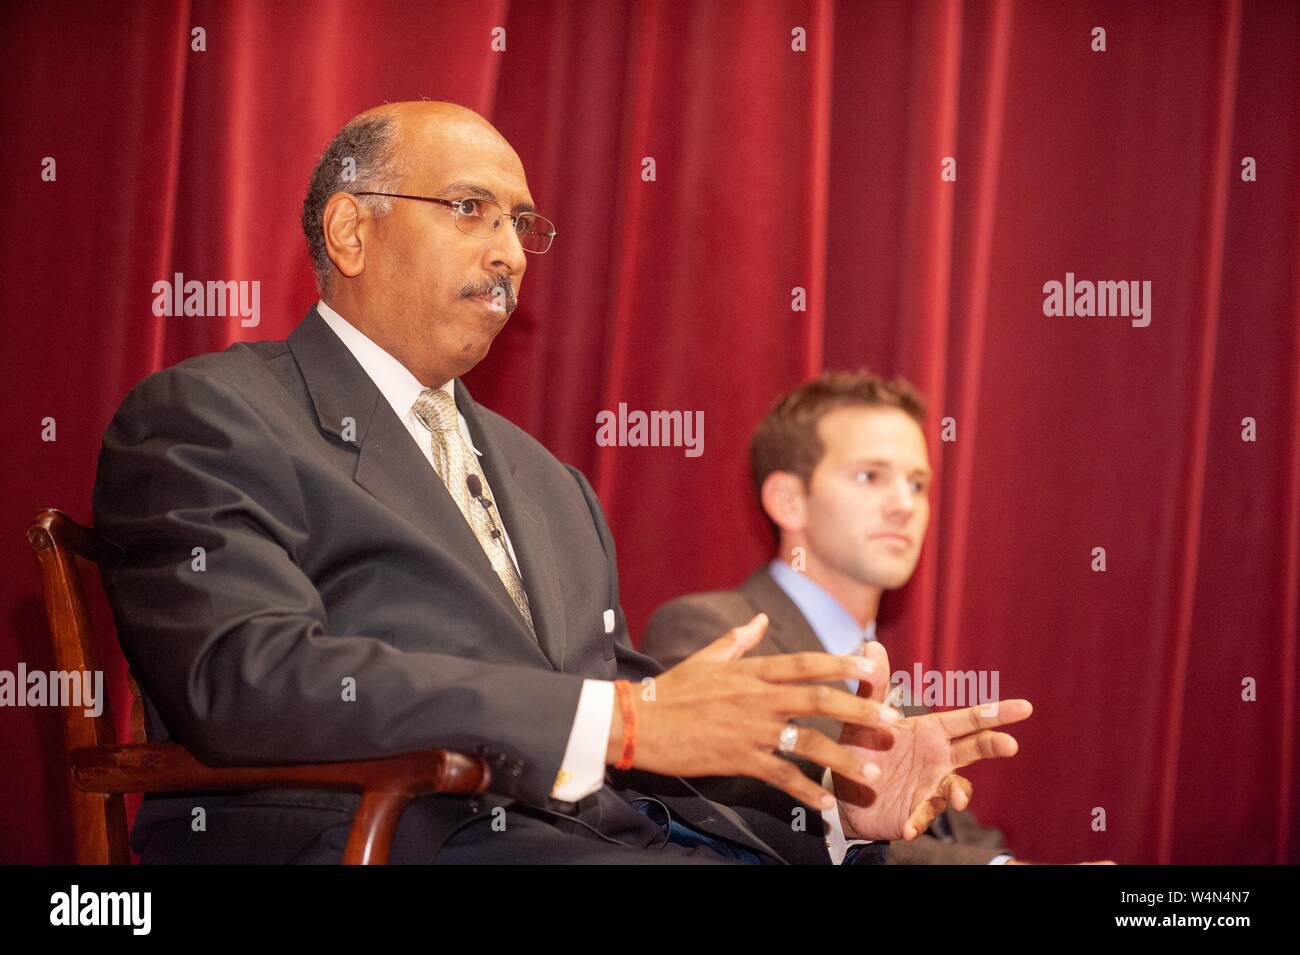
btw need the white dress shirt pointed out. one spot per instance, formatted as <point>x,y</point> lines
<point>582,771</point>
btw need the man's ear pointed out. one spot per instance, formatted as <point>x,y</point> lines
<point>785,501</point>
<point>345,228</point>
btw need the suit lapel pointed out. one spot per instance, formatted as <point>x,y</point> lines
<point>350,406</point>
<point>527,529</point>
<point>788,629</point>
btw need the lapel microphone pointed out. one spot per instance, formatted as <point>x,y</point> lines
<point>476,491</point>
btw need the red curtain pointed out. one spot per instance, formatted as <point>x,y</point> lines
<point>775,169</point>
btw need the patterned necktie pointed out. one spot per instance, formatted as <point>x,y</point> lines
<point>456,464</point>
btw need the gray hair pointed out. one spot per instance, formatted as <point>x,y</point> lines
<point>361,158</point>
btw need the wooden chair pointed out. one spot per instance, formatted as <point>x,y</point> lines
<point>100,770</point>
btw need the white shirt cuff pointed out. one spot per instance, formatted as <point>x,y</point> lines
<point>582,771</point>
<point>836,844</point>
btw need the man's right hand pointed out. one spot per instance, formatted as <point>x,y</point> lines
<point>719,714</point>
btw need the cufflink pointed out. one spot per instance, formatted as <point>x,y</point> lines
<point>609,620</point>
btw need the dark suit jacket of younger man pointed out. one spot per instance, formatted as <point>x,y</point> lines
<point>685,624</point>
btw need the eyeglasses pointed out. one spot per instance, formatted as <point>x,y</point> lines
<point>481,217</point>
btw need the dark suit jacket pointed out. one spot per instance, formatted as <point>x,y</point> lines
<point>333,557</point>
<point>684,625</point>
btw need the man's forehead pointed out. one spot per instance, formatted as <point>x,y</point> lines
<point>853,429</point>
<point>439,154</point>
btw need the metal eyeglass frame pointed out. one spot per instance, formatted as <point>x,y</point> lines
<point>454,204</point>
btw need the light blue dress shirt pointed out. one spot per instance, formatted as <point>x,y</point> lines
<point>834,626</point>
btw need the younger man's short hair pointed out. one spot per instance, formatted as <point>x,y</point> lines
<point>787,440</point>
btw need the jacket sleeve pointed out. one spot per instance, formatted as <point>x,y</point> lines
<point>202,527</point>
<point>684,625</point>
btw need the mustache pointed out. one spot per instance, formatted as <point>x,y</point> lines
<point>502,287</point>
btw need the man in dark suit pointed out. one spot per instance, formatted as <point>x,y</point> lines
<point>841,470</point>
<point>322,549</point>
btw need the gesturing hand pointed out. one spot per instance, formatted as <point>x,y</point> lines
<point>917,780</point>
<point>719,714</point>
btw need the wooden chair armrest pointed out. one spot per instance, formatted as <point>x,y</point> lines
<point>386,784</point>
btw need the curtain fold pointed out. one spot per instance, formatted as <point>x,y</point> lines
<point>1216,197</point>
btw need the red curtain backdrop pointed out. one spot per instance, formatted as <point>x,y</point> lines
<point>776,169</point>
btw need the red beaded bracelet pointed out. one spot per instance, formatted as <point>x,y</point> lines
<point>624,690</point>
